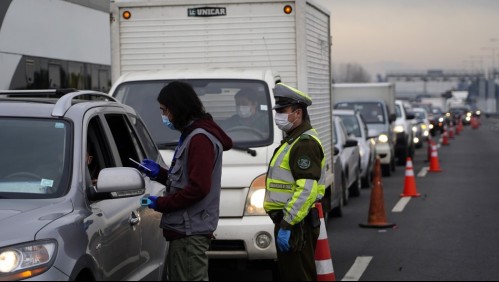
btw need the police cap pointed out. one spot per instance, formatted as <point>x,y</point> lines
<point>286,96</point>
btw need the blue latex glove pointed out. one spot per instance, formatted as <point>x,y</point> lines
<point>153,167</point>
<point>283,240</point>
<point>154,202</point>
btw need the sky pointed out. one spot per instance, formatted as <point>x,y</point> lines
<point>403,35</point>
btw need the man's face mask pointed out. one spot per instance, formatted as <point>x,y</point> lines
<point>244,111</point>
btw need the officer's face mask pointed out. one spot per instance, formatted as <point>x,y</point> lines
<point>244,111</point>
<point>282,121</point>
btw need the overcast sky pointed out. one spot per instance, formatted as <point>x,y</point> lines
<point>414,34</point>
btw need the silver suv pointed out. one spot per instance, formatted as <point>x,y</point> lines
<point>70,194</point>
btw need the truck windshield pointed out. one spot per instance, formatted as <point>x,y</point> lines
<point>371,111</point>
<point>35,158</point>
<point>241,107</point>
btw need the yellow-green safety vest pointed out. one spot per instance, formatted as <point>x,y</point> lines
<point>293,197</point>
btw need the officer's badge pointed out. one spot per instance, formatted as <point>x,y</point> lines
<point>304,162</point>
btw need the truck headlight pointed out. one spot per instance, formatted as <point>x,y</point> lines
<point>256,197</point>
<point>26,260</point>
<point>383,138</point>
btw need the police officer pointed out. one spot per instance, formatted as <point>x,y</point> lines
<point>295,182</point>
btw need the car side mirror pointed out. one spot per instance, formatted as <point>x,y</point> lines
<point>351,143</point>
<point>410,116</point>
<point>393,118</point>
<point>118,182</point>
<point>336,151</point>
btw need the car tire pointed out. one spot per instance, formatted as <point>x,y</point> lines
<point>367,181</point>
<point>338,211</point>
<point>386,170</point>
<point>344,190</point>
<point>356,187</point>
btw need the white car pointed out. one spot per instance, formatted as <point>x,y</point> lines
<point>422,128</point>
<point>357,128</point>
<point>404,146</point>
<point>350,158</point>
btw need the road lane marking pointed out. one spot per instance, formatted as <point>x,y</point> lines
<point>358,268</point>
<point>423,172</point>
<point>400,206</point>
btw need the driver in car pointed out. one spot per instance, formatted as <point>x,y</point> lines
<point>248,114</point>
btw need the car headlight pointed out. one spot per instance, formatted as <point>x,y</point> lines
<point>256,197</point>
<point>383,138</point>
<point>399,129</point>
<point>432,126</point>
<point>441,120</point>
<point>478,113</point>
<point>414,129</point>
<point>424,126</point>
<point>26,260</point>
<point>468,118</point>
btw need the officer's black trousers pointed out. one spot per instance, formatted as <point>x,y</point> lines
<point>299,263</point>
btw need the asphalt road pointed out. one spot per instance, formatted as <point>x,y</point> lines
<point>451,232</point>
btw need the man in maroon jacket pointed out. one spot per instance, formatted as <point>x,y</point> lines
<point>190,207</point>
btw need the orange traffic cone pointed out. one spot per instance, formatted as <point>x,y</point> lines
<point>445,140</point>
<point>377,214</point>
<point>434,162</point>
<point>475,124</point>
<point>410,181</point>
<point>323,262</point>
<point>451,131</point>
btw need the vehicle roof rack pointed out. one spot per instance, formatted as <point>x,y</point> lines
<point>35,93</point>
<point>66,101</point>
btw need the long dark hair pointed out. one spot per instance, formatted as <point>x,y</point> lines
<point>183,103</point>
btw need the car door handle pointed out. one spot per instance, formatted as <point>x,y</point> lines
<point>134,219</point>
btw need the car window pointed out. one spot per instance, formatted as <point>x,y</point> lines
<point>35,158</point>
<point>97,152</point>
<point>352,125</point>
<point>372,112</point>
<point>125,139</point>
<point>150,148</point>
<point>398,109</point>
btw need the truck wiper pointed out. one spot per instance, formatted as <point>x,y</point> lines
<point>167,146</point>
<point>247,150</point>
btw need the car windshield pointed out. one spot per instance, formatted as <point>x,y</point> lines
<point>241,107</point>
<point>371,111</point>
<point>35,158</point>
<point>420,115</point>
<point>352,125</point>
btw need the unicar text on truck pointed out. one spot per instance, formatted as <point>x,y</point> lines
<point>231,58</point>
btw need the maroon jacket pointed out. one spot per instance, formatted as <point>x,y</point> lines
<point>201,157</point>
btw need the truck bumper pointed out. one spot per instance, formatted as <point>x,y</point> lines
<point>237,238</point>
<point>384,152</point>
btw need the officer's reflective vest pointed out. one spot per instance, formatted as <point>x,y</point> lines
<point>282,188</point>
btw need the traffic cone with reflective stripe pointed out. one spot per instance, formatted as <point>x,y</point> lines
<point>377,214</point>
<point>451,131</point>
<point>434,162</point>
<point>323,261</point>
<point>410,189</point>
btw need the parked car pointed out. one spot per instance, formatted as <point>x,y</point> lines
<point>70,196</point>
<point>349,155</point>
<point>357,128</point>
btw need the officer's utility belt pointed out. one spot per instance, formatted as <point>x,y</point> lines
<point>312,218</point>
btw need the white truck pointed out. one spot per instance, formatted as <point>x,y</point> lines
<point>376,103</point>
<point>225,49</point>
